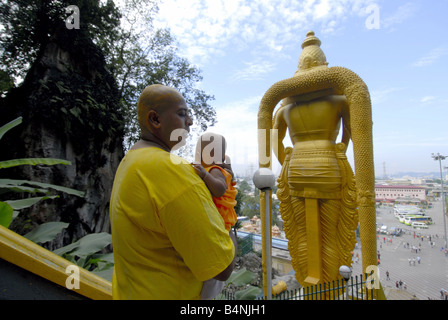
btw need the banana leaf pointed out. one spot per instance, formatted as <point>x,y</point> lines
<point>28,202</point>
<point>32,161</point>
<point>13,184</point>
<point>248,294</point>
<point>87,245</point>
<point>46,232</point>
<point>241,277</point>
<point>5,128</point>
<point>6,212</point>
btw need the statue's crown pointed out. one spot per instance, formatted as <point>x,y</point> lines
<point>312,55</point>
<point>310,40</point>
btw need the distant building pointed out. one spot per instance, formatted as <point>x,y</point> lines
<point>392,193</point>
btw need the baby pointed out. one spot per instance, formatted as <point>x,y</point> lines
<point>213,166</point>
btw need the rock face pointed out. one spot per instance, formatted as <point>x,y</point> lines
<point>70,108</point>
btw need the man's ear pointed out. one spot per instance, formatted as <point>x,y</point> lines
<point>153,119</point>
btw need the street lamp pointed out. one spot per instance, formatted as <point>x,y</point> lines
<point>439,157</point>
<point>346,273</point>
<point>264,179</point>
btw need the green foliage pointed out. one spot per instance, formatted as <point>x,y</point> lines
<point>85,252</point>
<point>46,232</point>
<point>28,26</point>
<point>28,202</point>
<point>20,186</point>
<point>242,279</point>
<point>31,161</point>
<point>250,293</point>
<point>6,82</point>
<point>87,111</point>
<point>77,98</point>
<point>6,127</point>
<point>140,55</point>
<point>6,214</point>
<point>248,202</point>
<point>9,208</point>
<point>86,245</point>
<point>135,52</point>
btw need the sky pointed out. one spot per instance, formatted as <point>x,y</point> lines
<point>399,48</point>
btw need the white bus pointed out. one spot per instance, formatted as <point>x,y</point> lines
<point>419,225</point>
<point>409,220</point>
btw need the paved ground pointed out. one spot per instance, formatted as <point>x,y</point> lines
<point>424,279</point>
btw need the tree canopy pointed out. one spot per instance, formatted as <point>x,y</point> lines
<point>136,53</point>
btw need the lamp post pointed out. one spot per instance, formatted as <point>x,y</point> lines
<point>264,180</point>
<point>440,157</point>
<point>346,273</point>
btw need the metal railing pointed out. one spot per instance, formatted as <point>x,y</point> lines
<point>357,288</point>
<point>245,244</point>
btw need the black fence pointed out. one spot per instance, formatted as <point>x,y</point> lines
<point>356,288</point>
<point>360,287</point>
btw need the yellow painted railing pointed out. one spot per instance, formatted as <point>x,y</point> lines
<point>44,263</point>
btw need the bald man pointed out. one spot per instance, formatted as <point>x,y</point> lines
<point>168,237</point>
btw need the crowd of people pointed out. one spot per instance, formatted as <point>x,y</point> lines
<point>409,261</point>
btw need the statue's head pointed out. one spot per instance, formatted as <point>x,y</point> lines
<point>312,55</point>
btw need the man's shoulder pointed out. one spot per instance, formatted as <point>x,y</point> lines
<point>154,157</point>
<point>168,165</point>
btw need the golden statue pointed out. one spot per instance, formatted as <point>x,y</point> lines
<point>318,191</point>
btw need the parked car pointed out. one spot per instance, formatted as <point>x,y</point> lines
<point>395,231</point>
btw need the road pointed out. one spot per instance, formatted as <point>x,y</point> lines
<point>424,279</point>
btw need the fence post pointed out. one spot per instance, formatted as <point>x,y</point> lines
<point>366,278</point>
<point>362,289</point>
<point>333,289</point>
<point>339,287</point>
<point>339,295</point>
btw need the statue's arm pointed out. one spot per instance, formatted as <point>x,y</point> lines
<point>280,125</point>
<point>346,132</point>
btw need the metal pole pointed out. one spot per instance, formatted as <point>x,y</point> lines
<point>443,195</point>
<point>347,297</point>
<point>264,179</point>
<point>268,245</point>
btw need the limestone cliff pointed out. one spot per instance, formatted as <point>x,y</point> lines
<point>71,110</point>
